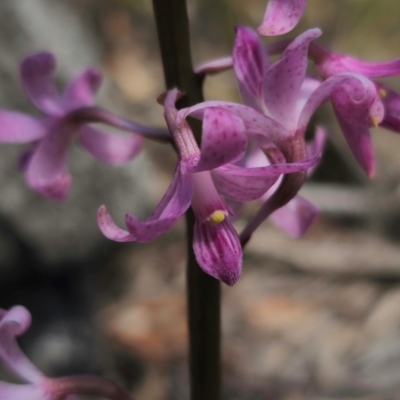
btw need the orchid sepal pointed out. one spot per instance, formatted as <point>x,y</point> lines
<point>281,16</point>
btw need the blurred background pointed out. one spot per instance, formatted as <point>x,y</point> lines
<point>315,318</point>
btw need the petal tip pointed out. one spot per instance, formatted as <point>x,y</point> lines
<point>371,172</point>
<point>109,229</point>
<point>218,251</point>
<point>57,190</point>
<point>42,60</point>
<point>20,318</point>
<point>231,278</point>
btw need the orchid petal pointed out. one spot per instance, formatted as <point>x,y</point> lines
<point>109,229</point>
<point>218,250</point>
<point>16,127</point>
<point>11,391</point>
<point>37,80</point>
<point>359,140</point>
<point>109,148</point>
<point>295,217</point>
<point>171,207</point>
<point>254,121</point>
<point>370,69</point>
<point>81,91</point>
<point>250,63</point>
<point>357,104</point>
<point>357,107</point>
<point>14,323</point>
<point>283,80</point>
<point>47,171</point>
<point>362,87</point>
<point>328,63</point>
<point>223,140</point>
<point>215,66</point>
<point>281,16</point>
<point>246,184</point>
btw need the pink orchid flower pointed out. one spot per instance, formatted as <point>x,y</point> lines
<point>201,177</point>
<point>328,64</point>
<point>279,100</point>
<point>37,386</point>
<point>270,87</point>
<point>66,116</point>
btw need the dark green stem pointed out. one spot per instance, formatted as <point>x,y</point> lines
<point>203,291</point>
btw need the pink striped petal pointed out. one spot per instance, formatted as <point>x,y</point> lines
<point>223,140</point>
<point>16,127</point>
<point>113,149</point>
<point>13,323</point>
<point>281,16</point>
<point>218,250</point>
<point>295,217</point>
<point>250,63</point>
<point>37,79</point>
<point>283,80</point>
<point>47,172</point>
<point>82,90</point>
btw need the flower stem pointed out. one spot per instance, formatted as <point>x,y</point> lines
<point>203,291</point>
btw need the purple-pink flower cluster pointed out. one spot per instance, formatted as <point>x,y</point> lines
<point>255,151</point>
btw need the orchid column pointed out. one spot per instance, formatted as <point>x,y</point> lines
<point>203,291</point>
